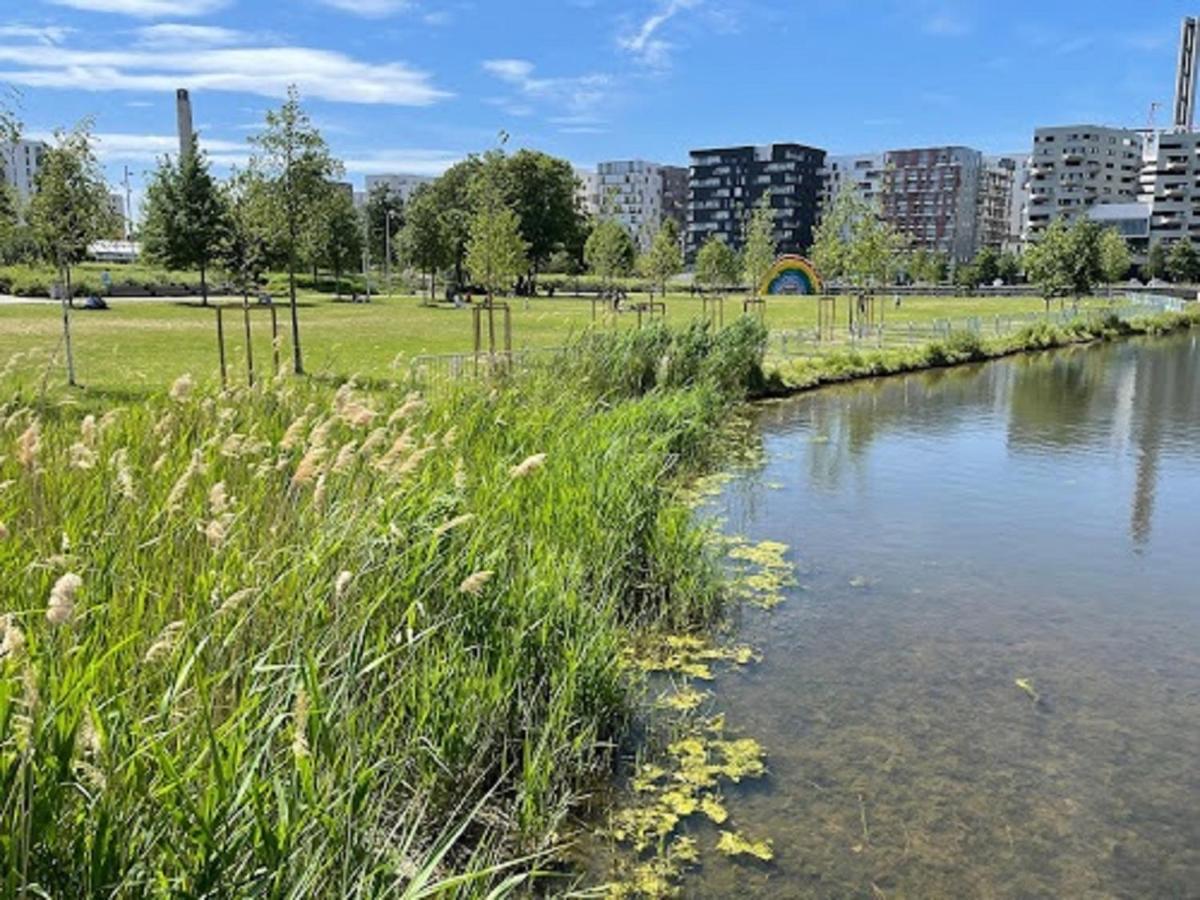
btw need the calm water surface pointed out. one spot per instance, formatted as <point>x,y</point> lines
<point>1035,518</point>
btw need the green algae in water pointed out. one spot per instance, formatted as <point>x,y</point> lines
<point>733,844</point>
<point>760,572</point>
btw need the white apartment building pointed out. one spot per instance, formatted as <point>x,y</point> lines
<point>862,172</point>
<point>1076,167</point>
<point>19,163</point>
<point>1171,186</point>
<point>1016,167</point>
<point>587,192</point>
<point>631,192</point>
<point>403,186</point>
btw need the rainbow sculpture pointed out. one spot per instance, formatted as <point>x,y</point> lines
<point>791,275</point>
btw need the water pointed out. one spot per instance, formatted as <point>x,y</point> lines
<point>1033,518</point>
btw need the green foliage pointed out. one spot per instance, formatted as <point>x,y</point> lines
<point>609,252</point>
<point>496,253</point>
<point>664,260</point>
<point>854,242</point>
<point>1009,268</point>
<point>1066,260</point>
<point>1156,262</point>
<point>716,264</point>
<point>542,192</point>
<point>185,218</point>
<point>313,631</point>
<point>1115,258</point>
<point>386,216</point>
<point>761,249</point>
<point>244,250</point>
<point>987,266</point>
<point>423,242</point>
<point>341,245</point>
<point>1183,263</point>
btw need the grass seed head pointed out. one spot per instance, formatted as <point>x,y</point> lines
<point>474,584</point>
<point>13,644</point>
<point>342,584</point>
<point>300,725</point>
<point>82,457</point>
<point>181,390</point>
<point>29,445</point>
<point>61,608</point>
<point>528,467</point>
<point>164,645</point>
<point>456,522</point>
<point>87,431</point>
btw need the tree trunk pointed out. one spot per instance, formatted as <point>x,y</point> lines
<point>297,358</point>
<point>66,309</point>
<point>337,280</point>
<point>432,287</point>
<point>203,285</point>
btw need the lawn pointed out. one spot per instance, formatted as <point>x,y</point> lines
<point>139,345</point>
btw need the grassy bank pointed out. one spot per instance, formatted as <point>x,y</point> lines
<point>293,641</point>
<point>964,347</point>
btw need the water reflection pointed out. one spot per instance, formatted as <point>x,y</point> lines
<point>1032,518</point>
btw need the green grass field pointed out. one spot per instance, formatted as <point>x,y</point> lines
<point>140,345</point>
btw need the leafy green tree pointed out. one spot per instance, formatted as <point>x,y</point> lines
<point>342,240</point>
<point>423,241</point>
<point>245,248</point>
<point>1156,262</point>
<point>298,167</point>
<point>541,189</point>
<point>385,220</point>
<point>716,264</point>
<point>664,260</point>
<point>496,253</point>
<point>184,219</point>
<point>609,252</point>
<point>761,249</point>
<point>1009,268</point>
<point>69,211</point>
<point>1065,262</point>
<point>967,276</point>
<point>831,240</point>
<point>1115,258</point>
<point>453,197</point>
<point>1183,262</point>
<point>987,266</point>
<point>854,242</point>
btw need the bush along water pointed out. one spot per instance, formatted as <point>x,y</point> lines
<point>966,347</point>
<point>296,641</point>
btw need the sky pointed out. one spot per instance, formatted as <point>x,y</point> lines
<point>411,86</point>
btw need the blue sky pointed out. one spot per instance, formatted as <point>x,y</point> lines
<point>411,85</point>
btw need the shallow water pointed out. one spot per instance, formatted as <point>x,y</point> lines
<point>1033,518</point>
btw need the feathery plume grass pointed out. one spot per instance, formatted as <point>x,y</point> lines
<point>218,499</point>
<point>342,584</point>
<point>234,601</point>
<point>29,445</point>
<point>82,457</point>
<point>295,434</point>
<point>181,390</point>
<point>87,431</point>
<point>300,748</point>
<point>528,467</point>
<point>345,458</point>
<point>164,645</point>
<point>123,480</point>
<point>310,466</point>
<point>13,644</point>
<point>474,584</point>
<point>456,522</point>
<point>194,468</point>
<point>61,608</point>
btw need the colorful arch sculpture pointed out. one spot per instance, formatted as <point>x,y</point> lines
<point>791,275</point>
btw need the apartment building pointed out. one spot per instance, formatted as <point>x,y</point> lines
<point>863,173</point>
<point>725,184</point>
<point>587,192</point>
<point>402,186</point>
<point>19,163</point>
<point>1077,167</point>
<point>1171,187</point>
<point>633,192</point>
<point>932,196</point>
<point>675,196</point>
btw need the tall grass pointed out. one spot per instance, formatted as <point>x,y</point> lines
<point>299,642</point>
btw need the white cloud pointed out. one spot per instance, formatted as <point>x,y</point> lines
<point>411,162</point>
<point>265,71</point>
<point>369,9</point>
<point>174,35</point>
<point>643,41</point>
<point>149,9</point>
<point>577,94</point>
<point>46,35</point>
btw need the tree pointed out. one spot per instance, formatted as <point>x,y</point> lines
<point>453,197</point>
<point>609,252</point>
<point>1009,268</point>
<point>664,260</point>
<point>423,242</point>
<point>342,235</point>
<point>1183,263</point>
<point>966,275</point>
<point>184,221</point>
<point>987,266</point>
<point>853,241</point>
<point>245,247</point>
<point>541,190</point>
<point>761,249</point>
<point>69,211</point>
<point>496,253</point>
<point>385,219</point>
<point>1066,260</point>
<point>1115,258</point>
<point>716,264</point>
<point>298,167</point>
<point>1156,262</point>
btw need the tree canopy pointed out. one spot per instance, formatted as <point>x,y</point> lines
<point>716,264</point>
<point>609,252</point>
<point>496,253</point>
<point>664,260</point>
<point>761,249</point>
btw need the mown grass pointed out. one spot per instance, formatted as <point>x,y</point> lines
<point>293,641</point>
<point>966,347</point>
<point>139,346</point>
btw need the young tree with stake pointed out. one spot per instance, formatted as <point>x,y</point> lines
<point>761,249</point>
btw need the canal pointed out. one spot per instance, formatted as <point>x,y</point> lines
<point>1034,519</point>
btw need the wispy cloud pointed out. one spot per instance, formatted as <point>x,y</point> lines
<point>148,9</point>
<point>370,9</point>
<point>265,71</point>
<point>644,42</point>
<point>178,36</point>
<point>46,35</point>
<point>578,95</point>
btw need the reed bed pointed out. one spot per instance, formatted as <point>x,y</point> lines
<point>307,640</point>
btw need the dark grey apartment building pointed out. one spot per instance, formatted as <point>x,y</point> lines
<point>725,184</point>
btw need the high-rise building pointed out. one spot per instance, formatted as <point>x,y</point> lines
<point>863,173</point>
<point>632,192</point>
<point>1076,167</point>
<point>998,190</point>
<point>931,195</point>
<point>587,192</point>
<point>725,184</point>
<point>19,163</point>
<point>183,120</point>
<point>675,196</point>
<point>402,186</point>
